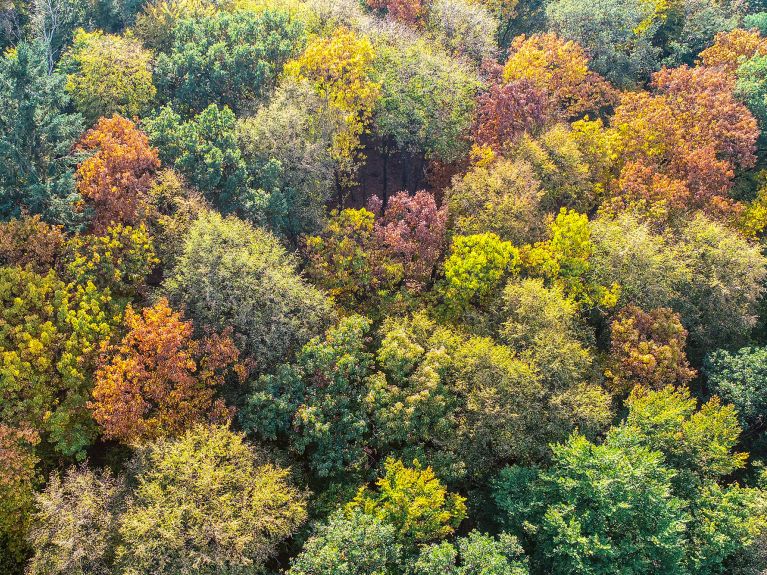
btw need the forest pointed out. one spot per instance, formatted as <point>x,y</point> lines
<point>383,287</point>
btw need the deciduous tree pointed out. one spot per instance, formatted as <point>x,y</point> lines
<point>115,177</point>
<point>159,381</point>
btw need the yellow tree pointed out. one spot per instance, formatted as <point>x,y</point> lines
<point>109,74</point>
<point>339,69</point>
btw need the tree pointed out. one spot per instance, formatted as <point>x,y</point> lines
<point>558,67</point>
<point>231,274</point>
<point>473,554</point>
<point>206,502</point>
<point>108,74</point>
<point>564,259</point>
<point>749,86</point>
<point>29,241</point>
<point>231,59</point>
<point>699,443</point>
<point>430,123</point>
<point>413,501</point>
<point>561,161</point>
<point>727,280</point>
<point>159,381</point>
<point>464,29</point>
<point>411,232</point>
<point>474,270</point>
<point>617,35</point>
<point>740,378</point>
<point>545,328</point>
<point>36,138</point>
<point>115,178</point>
<point>508,111</point>
<point>340,69</point>
<point>204,149</point>
<point>17,484</point>
<point>345,260</point>
<point>730,49</point>
<point>119,260</point>
<point>598,509</point>
<point>692,130</point>
<point>647,349</point>
<point>286,146</point>
<point>407,11</point>
<point>316,404</point>
<point>502,197</point>
<point>50,334</point>
<point>76,523</point>
<point>463,404</point>
<point>358,544</point>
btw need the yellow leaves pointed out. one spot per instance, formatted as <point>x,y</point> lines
<point>339,69</point>
<point>113,74</point>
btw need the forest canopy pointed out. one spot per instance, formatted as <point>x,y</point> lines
<point>383,287</point>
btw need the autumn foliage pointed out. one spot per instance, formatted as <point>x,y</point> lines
<point>115,178</point>
<point>159,380</point>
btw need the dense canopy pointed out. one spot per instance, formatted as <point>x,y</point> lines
<point>383,287</point>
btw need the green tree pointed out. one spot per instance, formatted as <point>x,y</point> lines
<point>317,402</point>
<point>229,58</point>
<point>37,135</point>
<point>740,378</point>
<point>204,149</point>
<point>416,121</point>
<point>599,509</point>
<point>357,544</point>
<point>286,146</point>
<point>205,503</point>
<point>699,443</point>
<point>618,36</point>
<point>475,554</point>
<point>231,274</point>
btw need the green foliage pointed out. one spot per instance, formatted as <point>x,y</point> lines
<point>599,509</point>
<point>204,149</point>
<point>429,122</point>
<point>465,404</point>
<point>413,501</point>
<point>286,146</point>
<point>231,274</point>
<point>740,378</point>
<point>475,554</point>
<point>229,58</point>
<point>37,135</point>
<point>617,34</point>
<point>205,503</point>
<point>317,402</point>
<point>699,442</point>
<point>357,544</point>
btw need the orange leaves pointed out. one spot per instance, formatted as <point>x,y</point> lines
<point>560,68</point>
<point>648,349</point>
<point>115,179</point>
<point>160,381</point>
<point>731,48</point>
<point>681,145</point>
